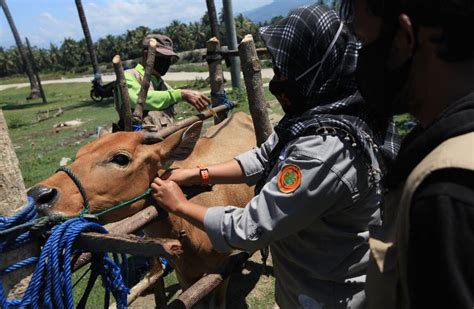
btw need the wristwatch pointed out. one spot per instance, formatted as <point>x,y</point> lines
<point>204,173</point>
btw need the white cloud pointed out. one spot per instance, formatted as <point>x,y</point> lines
<point>116,16</point>
<point>53,29</point>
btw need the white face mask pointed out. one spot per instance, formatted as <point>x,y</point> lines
<point>319,64</point>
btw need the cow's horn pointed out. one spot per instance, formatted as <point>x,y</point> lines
<point>153,138</point>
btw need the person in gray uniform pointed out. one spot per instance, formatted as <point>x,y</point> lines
<point>318,177</point>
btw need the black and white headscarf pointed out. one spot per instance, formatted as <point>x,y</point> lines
<point>301,49</point>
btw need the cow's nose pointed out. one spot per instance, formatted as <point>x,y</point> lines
<point>43,197</point>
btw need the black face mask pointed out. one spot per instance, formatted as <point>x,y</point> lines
<point>292,91</point>
<point>162,65</point>
<point>381,87</point>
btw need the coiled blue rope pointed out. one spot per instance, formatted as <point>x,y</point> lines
<point>51,285</point>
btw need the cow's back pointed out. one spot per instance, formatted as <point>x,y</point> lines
<point>219,144</point>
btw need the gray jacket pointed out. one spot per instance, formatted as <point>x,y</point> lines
<point>318,233</point>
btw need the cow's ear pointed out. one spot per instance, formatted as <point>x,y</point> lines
<point>102,132</point>
<point>179,145</point>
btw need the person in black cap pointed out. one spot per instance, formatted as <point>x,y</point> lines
<point>160,101</point>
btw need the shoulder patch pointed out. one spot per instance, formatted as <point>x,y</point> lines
<point>289,178</point>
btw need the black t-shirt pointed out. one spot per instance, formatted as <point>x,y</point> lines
<point>441,246</point>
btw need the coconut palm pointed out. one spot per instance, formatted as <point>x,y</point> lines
<point>35,93</point>
<point>88,39</point>
<point>211,11</point>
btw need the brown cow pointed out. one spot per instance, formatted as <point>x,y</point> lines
<point>119,166</point>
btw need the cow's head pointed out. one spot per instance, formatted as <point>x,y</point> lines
<point>113,169</point>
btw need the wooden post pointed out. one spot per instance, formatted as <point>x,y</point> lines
<point>150,62</point>
<point>216,76</point>
<point>252,70</point>
<point>125,112</point>
<point>12,198</point>
<point>35,71</point>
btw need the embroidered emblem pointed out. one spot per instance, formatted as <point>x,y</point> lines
<point>289,179</point>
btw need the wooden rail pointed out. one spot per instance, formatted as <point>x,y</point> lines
<point>208,283</point>
<point>129,244</point>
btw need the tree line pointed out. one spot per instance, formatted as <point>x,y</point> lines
<point>72,55</point>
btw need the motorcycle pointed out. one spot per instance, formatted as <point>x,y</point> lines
<point>100,91</point>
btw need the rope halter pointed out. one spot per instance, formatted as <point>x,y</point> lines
<point>86,207</point>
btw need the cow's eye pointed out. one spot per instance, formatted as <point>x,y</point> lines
<point>121,159</point>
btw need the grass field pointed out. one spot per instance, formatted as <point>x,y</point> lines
<point>40,147</point>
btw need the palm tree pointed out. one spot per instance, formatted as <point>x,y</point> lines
<point>35,92</point>
<point>211,11</point>
<point>87,35</point>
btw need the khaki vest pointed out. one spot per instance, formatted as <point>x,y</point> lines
<point>163,118</point>
<point>387,271</point>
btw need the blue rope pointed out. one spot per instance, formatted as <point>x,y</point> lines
<point>222,99</point>
<point>51,284</point>
<point>137,128</point>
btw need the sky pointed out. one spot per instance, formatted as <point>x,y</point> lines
<point>50,21</point>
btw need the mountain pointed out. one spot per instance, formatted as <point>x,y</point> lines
<point>276,8</point>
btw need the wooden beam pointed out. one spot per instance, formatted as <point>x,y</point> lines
<point>189,298</point>
<point>155,137</point>
<point>126,226</point>
<point>252,70</point>
<point>150,279</point>
<point>124,110</point>
<point>129,244</point>
<point>216,75</point>
<point>149,66</point>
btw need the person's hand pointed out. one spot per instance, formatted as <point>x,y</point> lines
<point>183,176</point>
<point>196,99</point>
<point>169,195</point>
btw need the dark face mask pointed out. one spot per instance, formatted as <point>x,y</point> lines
<point>381,87</point>
<point>162,65</point>
<point>291,90</point>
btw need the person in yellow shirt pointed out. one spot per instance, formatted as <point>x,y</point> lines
<point>160,101</point>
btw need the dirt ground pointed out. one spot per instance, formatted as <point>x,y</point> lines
<point>250,288</point>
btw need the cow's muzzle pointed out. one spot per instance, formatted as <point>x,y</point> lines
<point>43,197</point>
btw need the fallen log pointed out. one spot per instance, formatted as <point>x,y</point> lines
<point>128,244</point>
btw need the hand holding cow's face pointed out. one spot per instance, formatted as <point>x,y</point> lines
<point>169,195</point>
